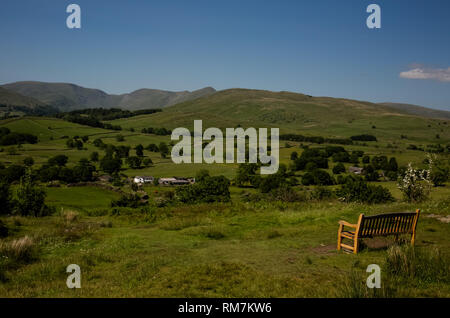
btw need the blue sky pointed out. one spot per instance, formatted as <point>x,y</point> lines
<point>321,47</point>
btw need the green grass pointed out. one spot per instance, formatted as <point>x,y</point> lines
<point>216,250</point>
<point>212,250</point>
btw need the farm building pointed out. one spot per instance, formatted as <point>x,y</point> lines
<point>176,181</point>
<point>143,179</point>
<point>355,170</point>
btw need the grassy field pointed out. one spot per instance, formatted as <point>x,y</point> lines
<point>237,249</point>
<point>209,250</point>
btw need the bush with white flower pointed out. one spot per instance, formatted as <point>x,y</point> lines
<point>415,184</point>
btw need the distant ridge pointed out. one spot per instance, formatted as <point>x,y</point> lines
<point>66,96</point>
<point>11,101</point>
<point>419,110</point>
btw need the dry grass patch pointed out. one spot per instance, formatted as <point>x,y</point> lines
<point>20,250</point>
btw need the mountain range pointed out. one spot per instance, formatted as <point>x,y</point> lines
<point>67,97</point>
<point>41,97</point>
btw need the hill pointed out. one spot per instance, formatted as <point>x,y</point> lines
<point>292,113</point>
<point>12,102</point>
<point>66,96</point>
<point>419,110</point>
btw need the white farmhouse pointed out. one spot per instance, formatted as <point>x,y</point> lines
<point>142,179</point>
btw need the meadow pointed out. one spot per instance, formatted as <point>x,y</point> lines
<point>234,249</point>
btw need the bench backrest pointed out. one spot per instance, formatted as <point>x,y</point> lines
<point>388,224</point>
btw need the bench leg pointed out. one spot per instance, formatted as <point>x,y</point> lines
<point>356,246</point>
<point>413,238</point>
<point>339,238</point>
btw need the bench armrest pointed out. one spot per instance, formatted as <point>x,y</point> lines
<point>345,223</point>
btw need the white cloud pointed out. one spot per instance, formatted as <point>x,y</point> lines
<point>425,73</point>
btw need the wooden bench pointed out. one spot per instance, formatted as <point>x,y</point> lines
<point>377,225</point>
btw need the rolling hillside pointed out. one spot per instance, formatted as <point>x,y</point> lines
<point>66,96</point>
<point>294,113</point>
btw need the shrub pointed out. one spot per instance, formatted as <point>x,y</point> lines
<point>31,199</point>
<point>392,175</point>
<point>272,181</point>
<point>285,194</point>
<point>415,184</point>
<point>317,177</point>
<point>130,201</point>
<point>357,190</point>
<point>321,193</point>
<point>439,172</point>
<point>211,189</point>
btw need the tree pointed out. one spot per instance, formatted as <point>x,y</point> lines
<point>84,171</point>
<point>246,174</point>
<point>393,165</point>
<point>147,162</point>
<point>120,138</point>
<point>122,151</point>
<point>152,148</point>
<point>370,173</point>
<point>65,174</point>
<point>163,149</point>
<point>134,162</point>
<point>59,160</point>
<point>139,150</point>
<point>366,159</point>
<point>110,165</point>
<point>342,156</point>
<point>94,156</point>
<point>339,168</point>
<point>13,173</point>
<point>311,166</point>
<point>28,161</point>
<point>98,143</point>
<point>201,175</point>
<point>30,198</point>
